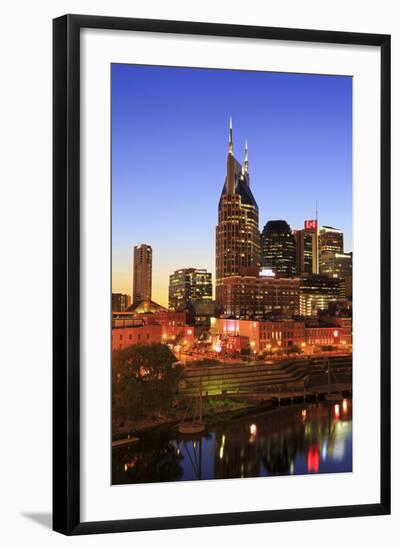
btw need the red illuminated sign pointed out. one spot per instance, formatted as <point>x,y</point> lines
<point>310,224</point>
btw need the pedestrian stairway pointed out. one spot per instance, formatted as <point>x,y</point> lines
<point>264,377</point>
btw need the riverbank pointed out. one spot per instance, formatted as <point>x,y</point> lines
<point>215,411</point>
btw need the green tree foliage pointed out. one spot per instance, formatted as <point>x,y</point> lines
<point>144,381</point>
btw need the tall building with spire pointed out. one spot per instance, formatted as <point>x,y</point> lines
<point>237,233</point>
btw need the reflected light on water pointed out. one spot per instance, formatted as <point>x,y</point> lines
<point>313,459</point>
<point>277,442</point>
<point>221,449</point>
<point>324,450</point>
<point>338,450</point>
<point>253,433</point>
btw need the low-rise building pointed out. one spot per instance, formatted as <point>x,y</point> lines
<point>200,313</point>
<point>127,334</point>
<point>120,302</point>
<point>320,336</point>
<point>257,297</point>
<point>279,335</point>
<point>171,327</point>
<point>346,328</point>
<point>259,336</point>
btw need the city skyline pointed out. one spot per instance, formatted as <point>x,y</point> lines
<point>296,139</point>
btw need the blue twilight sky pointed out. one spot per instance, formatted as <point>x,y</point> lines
<point>169,147</point>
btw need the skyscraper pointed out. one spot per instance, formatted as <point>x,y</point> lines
<point>142,271</point>
<point>237,233</point>
<point>338,264</point>
<point>332,260</point>
<point>307,257</point>
<point>278,248</point>
<point>330,240</point>
<point>186,286</point>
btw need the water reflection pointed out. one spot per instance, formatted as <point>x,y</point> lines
<point>294,440</point>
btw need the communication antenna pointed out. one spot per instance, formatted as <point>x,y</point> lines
<point>317,237</point>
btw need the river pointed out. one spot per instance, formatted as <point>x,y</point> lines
<point>287,441</point>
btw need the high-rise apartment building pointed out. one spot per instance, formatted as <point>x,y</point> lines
<point>142,272</point>
<point>187,286</point>
<point>237,233</point>
<point>278,248</point>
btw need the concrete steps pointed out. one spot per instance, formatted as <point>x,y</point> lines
<point>257,377</point>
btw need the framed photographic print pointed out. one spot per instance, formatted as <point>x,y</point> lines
<point>221,274</point>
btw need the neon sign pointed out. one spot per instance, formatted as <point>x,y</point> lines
<point>311,225</point>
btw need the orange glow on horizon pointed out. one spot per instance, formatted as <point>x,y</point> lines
<point>122,277</point>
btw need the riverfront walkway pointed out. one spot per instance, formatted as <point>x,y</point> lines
<point>292,377</point>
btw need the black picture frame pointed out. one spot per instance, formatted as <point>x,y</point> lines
<point>66,274</point>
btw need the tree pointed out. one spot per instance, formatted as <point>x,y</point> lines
<point>144,380</point>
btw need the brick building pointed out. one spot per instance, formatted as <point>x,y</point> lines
<point>256,297</point>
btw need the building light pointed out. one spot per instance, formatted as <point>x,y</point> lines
<point>267,273</point>
<point>217,347</point>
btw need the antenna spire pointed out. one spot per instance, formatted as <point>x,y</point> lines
<point>246,158</point>
<point>230,145</point>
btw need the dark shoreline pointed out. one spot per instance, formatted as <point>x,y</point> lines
<point>210,419</point>
<point>217,418</point>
